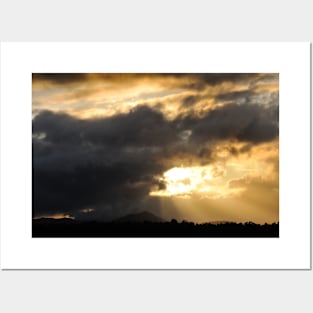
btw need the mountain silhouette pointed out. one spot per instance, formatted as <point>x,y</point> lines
<point>139,218</point>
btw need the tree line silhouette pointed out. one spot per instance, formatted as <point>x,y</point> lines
<point>173,228</point>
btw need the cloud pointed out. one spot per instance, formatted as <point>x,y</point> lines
<point>189,101</point>
<point>236,96</point>
<point>59,78</point>
<point>250,123</point>
<point>95,163</point>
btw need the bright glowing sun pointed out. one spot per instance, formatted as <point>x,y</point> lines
<point>178,173</point>
<point>182,181</point>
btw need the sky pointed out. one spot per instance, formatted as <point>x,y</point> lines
<point>196,147</point>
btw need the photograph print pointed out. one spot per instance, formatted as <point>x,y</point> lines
<point>155,155</point>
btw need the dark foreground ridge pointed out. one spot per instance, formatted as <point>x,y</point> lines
<point>134,226</point>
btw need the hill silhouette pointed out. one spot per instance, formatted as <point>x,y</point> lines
<point>145,224</point>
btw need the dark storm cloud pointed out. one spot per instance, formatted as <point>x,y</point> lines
<point>142,126</point>
<point>68,78</point>
<point>217,78</point>
<point>201,81</point>
<point>251,123</point>
<point>110,164</point>
<point>59,78</point>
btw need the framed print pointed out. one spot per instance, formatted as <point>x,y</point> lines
<point>155,155</point>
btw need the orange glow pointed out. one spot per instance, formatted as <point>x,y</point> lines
<point>55,216</point>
